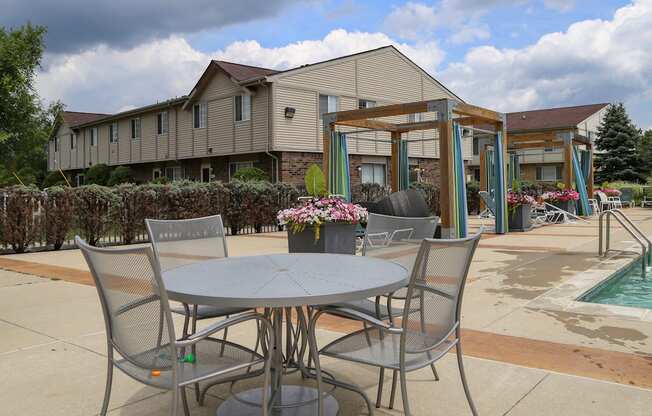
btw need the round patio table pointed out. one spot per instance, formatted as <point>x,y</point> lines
<point>283,282</point>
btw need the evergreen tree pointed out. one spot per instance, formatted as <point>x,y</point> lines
<point>617,143</point>
<point>645,152</point>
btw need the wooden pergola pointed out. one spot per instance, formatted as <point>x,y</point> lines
<point>447,112</point>
<point>548,140</point>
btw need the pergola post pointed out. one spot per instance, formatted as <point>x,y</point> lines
<point>568,162</point>
<point>446,164</point>
<point>591,171</point>
<point>396,137</point>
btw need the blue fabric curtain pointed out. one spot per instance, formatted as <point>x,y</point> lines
<point>580,184</point>
<point>403,166</point>
<point>339,180</point>
<point>500,185</point>
<point>459,182</point>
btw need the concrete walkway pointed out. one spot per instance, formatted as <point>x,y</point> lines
<point>525,354</point>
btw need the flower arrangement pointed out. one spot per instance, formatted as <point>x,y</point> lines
<point>517,199</point>
<point>562,195</point>
<point>317,211</point>
<point>611,192</point>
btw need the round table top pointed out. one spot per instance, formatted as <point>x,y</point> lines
<point>283,280</point>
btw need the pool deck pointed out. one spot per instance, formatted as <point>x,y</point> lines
<point>531,348</point>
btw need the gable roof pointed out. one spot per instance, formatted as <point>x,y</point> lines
<point>241,72</point>
<point>73,118</point>
<point>551,118</point>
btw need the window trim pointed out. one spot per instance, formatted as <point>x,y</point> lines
<point>113,132</point>
<point>366,103</point>
<point>540,178</point>
<point>373,164</point>
<point>162,126</point>
<point>174,168</point>
<point>94,136</point>
<point>160,173</point>
<point>132,127</point>
<point>336,100</point>
<point>242,108</point>
<point>73,141</point>
<point>202,121</point>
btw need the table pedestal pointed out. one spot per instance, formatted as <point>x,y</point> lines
<point>289,400</point>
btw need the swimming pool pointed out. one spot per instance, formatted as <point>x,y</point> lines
<point>626,288</point>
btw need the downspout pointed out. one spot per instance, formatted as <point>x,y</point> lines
<point>270,129</point>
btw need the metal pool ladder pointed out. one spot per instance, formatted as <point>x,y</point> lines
<point>631,228</point>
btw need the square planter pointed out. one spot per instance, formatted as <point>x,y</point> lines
<point>566,206</point>
<point>519,219</point>
<point>333,238</point>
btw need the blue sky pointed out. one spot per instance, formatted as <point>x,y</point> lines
<point>510,55</point>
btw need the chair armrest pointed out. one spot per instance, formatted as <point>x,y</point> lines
<point>350,313</point>
<point>222,325</point>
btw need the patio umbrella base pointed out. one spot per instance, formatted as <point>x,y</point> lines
<point>291,401</point>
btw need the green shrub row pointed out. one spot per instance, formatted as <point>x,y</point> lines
<point>31,217</point>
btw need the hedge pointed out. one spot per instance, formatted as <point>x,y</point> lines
<point>51,217</point>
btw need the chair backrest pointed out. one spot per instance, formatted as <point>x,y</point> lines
<point>488,201</point>
<point>134,302</point>
<point>601,196</point>
<point>434,296</point>
<point>181,242</point>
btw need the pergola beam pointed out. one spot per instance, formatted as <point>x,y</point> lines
<point>478,112</point>
<point>367,124</point>
<point>421,125</point>
<point>538,145</point>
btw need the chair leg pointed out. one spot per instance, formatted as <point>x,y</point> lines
<point>460,364</point>
<point>434,371</point>
<point>184,401</point>
<point>109,383</point>
<point>194,350</point>
<point>312,343</point>
<point>392,395</point>
<point>379,395</point>
<point>404,393</point>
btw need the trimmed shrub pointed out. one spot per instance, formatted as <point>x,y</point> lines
<point>369,192</point>
<point>135,204</point>
<point>234,214</point>
<point>54,179</point>
<point>473,197</point>
<point>59,213</point>
<point>120,175</point>
<point>250,174</point>
<point>94,208</point>
<point>21,219</point>
<point>97,175</point>
<point>259,201</point>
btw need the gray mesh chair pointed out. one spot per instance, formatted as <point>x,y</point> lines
<point>428,328</point>
<point>139,328</point>
<point>181,242</point>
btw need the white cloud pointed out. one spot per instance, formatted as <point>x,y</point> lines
<point>592,61</point>
<point>559,5</point>
<point>106,79</point>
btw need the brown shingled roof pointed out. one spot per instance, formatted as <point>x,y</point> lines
<point>551,118</point>
<point>75,117</point>
<point>241,72</point>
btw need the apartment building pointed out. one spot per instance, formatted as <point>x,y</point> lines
<point>239,116</point>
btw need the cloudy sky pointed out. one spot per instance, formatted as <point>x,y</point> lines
<point>111,55</point>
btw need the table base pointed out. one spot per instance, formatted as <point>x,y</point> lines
<point>247,403</point>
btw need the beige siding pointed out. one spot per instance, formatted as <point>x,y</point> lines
<point>300,132</point>
<point>220,126</point>
<point>124,140</point>
<point>218,87</point>
<point>103,144</point>
<point>432,90</point>
<point>200,141</point>
<point>260,119</point>
<point>148,139</point>
<point>387,75</point>
<point>337,76</point>
<point>185,133</point>
<point>171,151</point>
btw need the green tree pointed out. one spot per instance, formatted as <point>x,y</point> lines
<point>120,175</point>
<point>25,125</point>
<point>97,174</point>
<point>250,174</point>
<point>618,145</point>
<point>645,151</point>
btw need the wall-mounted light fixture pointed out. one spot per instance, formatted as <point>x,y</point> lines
<point>289,112</point>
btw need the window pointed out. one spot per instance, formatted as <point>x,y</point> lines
<point>366,104</point>
<point>242,107</point>
<point>156,173</point>
<point>199,115</point>
<point>174,173</point>
<point>476,146</point>
<point>236,166</point>
<point>327,104</point>
<point>548,173</point>
<point>56,144</point>
<point>113,132</point>
<point>373,173</point>
<point>94,136</point>
<point>415,173</point>
<point>414,118</point>
<point>548,149</point>
<point>162,123</point>
<point>79,179</point>
<point>206,172</point>
<point>73,141</point>
<point>476,174</point>
<point>135,128</point>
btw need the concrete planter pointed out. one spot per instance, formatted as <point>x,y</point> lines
<point>333,238</point>
<point>519,218</point>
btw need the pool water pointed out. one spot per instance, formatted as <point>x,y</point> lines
<point>627,288</point>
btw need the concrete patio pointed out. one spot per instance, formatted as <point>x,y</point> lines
<point>530,348</point>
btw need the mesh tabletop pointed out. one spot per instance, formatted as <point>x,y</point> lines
<point>281,280</point>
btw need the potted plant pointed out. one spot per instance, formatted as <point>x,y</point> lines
<point>321,224</point>
<point>518,207</point>
<point>563,199</point>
